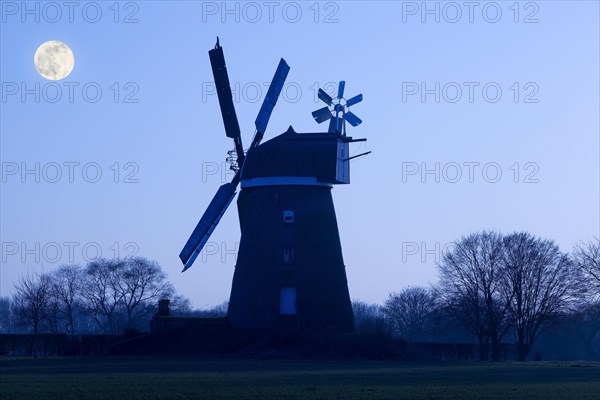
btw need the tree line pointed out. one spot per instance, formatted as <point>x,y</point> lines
<point>494,286</point>
<point>106,296</point>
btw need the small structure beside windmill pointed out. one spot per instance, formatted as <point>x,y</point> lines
<point>290,271</point>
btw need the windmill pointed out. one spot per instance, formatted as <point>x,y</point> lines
<point>290,271</point>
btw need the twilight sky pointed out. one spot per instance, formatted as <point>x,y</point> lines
<point>480,115</point>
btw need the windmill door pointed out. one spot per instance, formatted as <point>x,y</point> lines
<point>287,301</point>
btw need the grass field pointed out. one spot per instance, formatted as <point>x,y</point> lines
<point>187,378</point>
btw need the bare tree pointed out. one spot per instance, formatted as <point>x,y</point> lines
<point>122,294</point>
<point>584,325</point>
<point>368,318</point>
<point>218,311</point>
<point>109,294</point>
<point>539,281</point>
<point>5,319</point>
<point>409,313</point>
<point>142,283</point>
<point>30,301</point>
<point>470,288</point>
<point>587,257</point>
<point>66,286</point>
<point>181,305</point>
<point>101,293</point>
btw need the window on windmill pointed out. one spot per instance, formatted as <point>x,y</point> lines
<point>288,255</point>
<point>288,216</point>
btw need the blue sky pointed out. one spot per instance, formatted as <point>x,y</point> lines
<point>517,92</point>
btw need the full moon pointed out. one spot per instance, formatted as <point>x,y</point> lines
<point>54,60</point>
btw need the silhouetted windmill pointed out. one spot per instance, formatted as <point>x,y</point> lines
<point>290,270</point>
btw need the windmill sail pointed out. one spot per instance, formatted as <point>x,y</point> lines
<point>352,119</point>
<point>341,87</point>
<point>220,202</point>
<point>232,127</point>
<point>325,97</point>
<point>356,99</point>
<point>268,104</point>
<point>209,221</point>
<point>322,114</point>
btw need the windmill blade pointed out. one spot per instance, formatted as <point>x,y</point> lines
<point>325,97</point>
<point>232,127</point>
<point>356,99</point>
<point>209,221</point>
<point>268,104</point>
<point>322,114</point>
<point>352,119</point>
<point>341,87</point>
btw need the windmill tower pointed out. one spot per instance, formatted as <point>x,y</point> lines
<point>290,271</point>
